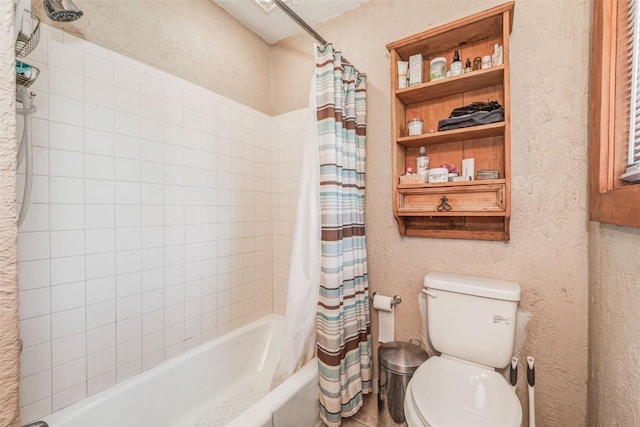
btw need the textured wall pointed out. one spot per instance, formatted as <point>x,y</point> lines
<point>9,348</point>
<point>614,343</point>
<point>191,39</point>
<point>547,253</point>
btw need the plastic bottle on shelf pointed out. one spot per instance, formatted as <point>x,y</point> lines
<point>422,162</point>
<point>456,65</point>
<point>496,58</point>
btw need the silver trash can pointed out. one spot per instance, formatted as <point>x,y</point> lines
<point>397,362</point>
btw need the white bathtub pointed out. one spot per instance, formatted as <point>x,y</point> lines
<point>224,382</point>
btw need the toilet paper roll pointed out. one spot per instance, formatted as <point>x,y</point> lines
<point>386,325</point>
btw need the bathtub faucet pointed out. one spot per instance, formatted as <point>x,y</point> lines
<point>37,424</point>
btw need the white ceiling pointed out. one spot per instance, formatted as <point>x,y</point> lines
<point>277,26</point>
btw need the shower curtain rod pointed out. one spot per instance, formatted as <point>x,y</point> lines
<point>302,23</point>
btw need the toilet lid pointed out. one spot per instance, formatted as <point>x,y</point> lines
<point>448,393</point>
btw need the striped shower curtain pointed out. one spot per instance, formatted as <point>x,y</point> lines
<point>343,319</point>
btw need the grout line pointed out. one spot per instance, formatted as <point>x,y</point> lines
<point>115,227</point>
<point>50,272</point>
<point>141,293</point>
<point>84,219</point>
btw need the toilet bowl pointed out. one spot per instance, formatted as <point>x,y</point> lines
<point>445,392</point>
<point>471,322</point>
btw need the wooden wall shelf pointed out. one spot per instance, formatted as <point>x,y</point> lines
<point>479,209</point>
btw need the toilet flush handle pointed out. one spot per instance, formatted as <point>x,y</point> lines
<point>432,294</point>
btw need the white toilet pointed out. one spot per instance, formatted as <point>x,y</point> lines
<point>472,322</point>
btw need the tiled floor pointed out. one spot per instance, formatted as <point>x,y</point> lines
<point>367,416</point>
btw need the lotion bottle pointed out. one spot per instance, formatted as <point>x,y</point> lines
<point>422,162</point>
<point>456,65</point>
<point>496,58</point>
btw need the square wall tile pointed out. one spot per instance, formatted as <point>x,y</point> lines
<point>101,265</point>
<point>98,93</point>
<point>67,217</point>
<point>66,323</point>
<point>65,57</point>
<point>67,397</point>
<point>67,243</point>
<point>36,330</point>
<point>98,68</point>
<point>34,303</point>
<point>33,246</point>
<point>99,118</point>
<point>66,110</point>
<point>101,338</point>
<point>35,359</point>
<point>101,362</point>
<point>69,374</point>
<point>101,314</point>
<point>101,382</point>
<point>66,137</point>
<point>34,274</point>
<point>100,290</point>
<point>100,192</point>
<point>98,216</point>
<point>99,167</point>
<point>66,190</point>
<point>69,348</point>
<point>35,387</point>
<point>100,241</point>
<point>98,142</point>
<point>67,296</point>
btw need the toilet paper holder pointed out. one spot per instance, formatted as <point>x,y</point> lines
<point>397,299</point>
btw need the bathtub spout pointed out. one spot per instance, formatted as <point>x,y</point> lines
<point>37,424</point>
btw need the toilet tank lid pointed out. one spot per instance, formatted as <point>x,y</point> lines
<point>473,285</point>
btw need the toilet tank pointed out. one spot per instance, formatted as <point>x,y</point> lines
<point>472,318</point>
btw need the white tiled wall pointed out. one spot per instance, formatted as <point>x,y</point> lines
<point>287,138</point>
<point>150,228</point>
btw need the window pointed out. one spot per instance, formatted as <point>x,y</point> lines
<point>632,173</point>
<point>615,114</point>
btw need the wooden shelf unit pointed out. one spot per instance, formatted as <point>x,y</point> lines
<point>479,209</point>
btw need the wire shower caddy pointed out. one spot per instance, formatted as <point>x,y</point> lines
<point>25,43</point>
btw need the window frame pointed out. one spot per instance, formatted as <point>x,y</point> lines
<point>610,200</point>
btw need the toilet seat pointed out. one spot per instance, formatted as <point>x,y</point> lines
<point>449,393</point>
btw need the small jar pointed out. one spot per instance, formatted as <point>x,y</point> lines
<point>477,63</point>
<point>486,62</point>
<point>415,127</point>
<point>438,175</point>
<point>438,69</point>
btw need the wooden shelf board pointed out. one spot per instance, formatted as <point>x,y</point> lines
<point>457,234</point>
<point>452,213</point>
<point>451,85</point>
<point>414,185</point>
<point>456,135</point>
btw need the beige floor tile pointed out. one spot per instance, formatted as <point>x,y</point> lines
<point>368,414</point>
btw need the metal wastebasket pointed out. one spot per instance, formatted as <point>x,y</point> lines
<point>397,362</point>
